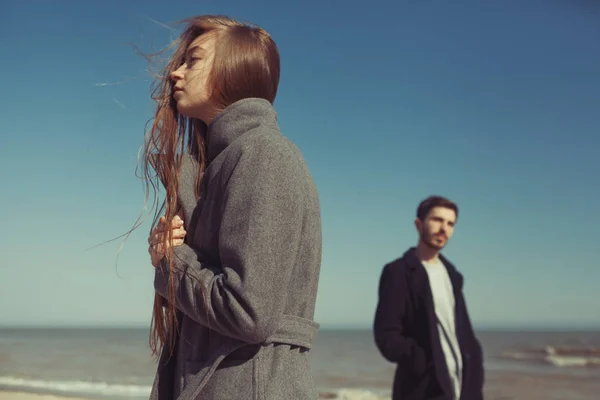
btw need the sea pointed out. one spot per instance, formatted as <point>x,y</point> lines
<point>117,364</point>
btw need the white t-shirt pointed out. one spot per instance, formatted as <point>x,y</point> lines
<point>443,299</point>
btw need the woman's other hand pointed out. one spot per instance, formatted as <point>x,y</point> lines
<point>159,236</point>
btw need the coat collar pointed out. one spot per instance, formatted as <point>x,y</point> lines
<point>416,265</point>
<point>237,119</point>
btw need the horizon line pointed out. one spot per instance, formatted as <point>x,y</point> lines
<point>323,327</point>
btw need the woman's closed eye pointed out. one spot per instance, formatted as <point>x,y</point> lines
<point>191,60</point>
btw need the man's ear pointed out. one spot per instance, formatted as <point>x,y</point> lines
<point>418,224</point>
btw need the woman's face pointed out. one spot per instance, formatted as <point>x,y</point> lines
<point>191,80</point>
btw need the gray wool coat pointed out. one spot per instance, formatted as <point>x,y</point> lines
<point>247,276</point>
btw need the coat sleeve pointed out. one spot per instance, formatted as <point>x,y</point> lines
<point>388,328</point>
<point>477,356</point>
<point>481,369</point>
<point>259,237</point>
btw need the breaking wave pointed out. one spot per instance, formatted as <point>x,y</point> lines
<point>559,356</point>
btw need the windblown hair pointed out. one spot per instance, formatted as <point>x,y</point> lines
<point>434,201</point>
<point>246,64</point>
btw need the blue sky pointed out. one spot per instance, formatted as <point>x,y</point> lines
<point>493,104</point>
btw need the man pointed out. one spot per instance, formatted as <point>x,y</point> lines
<point>421,321</point>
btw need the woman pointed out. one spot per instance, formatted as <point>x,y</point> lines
<point>237,255</point>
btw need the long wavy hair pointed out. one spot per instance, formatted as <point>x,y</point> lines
<point>246,64</point>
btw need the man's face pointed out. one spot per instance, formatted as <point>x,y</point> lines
<point>437,228</point>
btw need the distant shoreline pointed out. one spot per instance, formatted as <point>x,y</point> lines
<point>11,395</point>
<point>478,329</point>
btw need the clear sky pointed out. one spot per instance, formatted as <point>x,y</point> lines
<point>493,104</point>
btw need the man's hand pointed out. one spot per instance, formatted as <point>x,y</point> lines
<point>158,239</point>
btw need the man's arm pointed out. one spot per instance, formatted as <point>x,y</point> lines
<point>259,237</point>
<point>387,328</point>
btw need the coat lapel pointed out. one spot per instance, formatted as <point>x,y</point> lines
<point>422,289</point>
<point>457,284</point>
<point>459,316</point>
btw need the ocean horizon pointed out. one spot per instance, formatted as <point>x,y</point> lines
<point>112,362</point>
<point>538,327</point>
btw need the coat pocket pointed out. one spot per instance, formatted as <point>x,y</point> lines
<point>232,380</point>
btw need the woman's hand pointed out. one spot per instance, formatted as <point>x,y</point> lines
<point>158,239</point>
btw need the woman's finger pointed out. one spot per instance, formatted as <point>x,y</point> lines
<point>179,233</point>
<point>158,239</point>
<point>163,227</point>
<point>159,248</point>
<point>162,236</point>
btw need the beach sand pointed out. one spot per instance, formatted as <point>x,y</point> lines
<point>32,396</point>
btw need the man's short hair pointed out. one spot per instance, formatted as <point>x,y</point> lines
<point>434,201</point>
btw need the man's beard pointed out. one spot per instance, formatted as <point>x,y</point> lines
<point>429,241</point>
